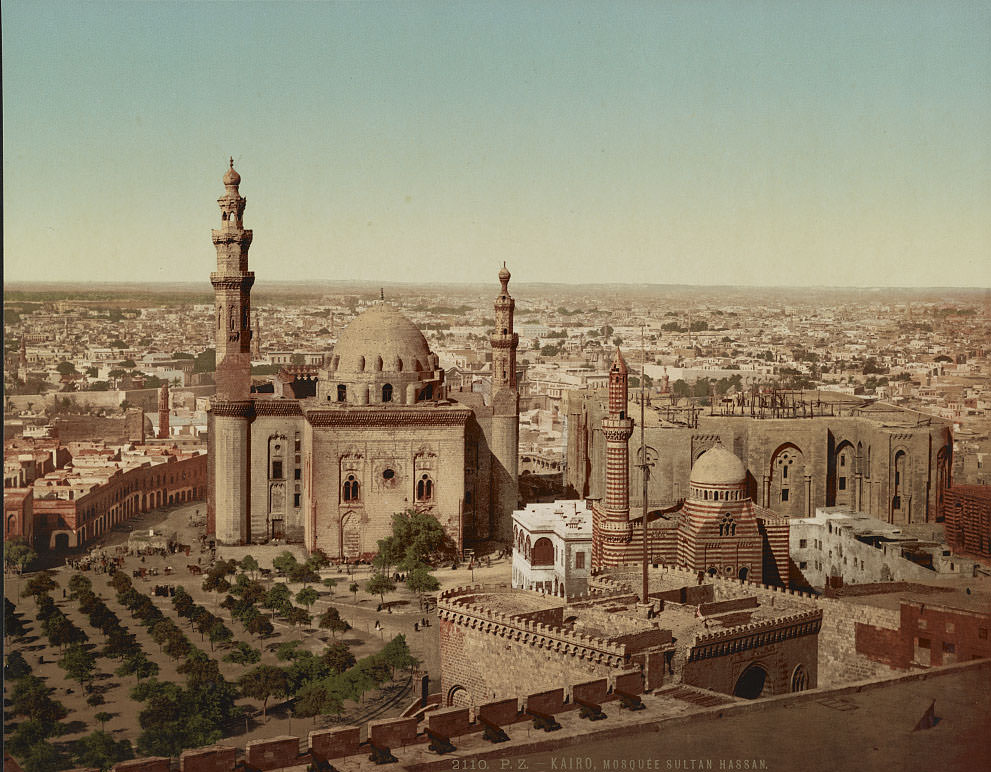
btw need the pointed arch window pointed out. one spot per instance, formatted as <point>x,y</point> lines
<point>342,392</point>
<point>351,491</point>
<point>387,392</point>
<point>424,488</point>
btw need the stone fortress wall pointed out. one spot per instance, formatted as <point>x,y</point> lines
<point>839,661</point>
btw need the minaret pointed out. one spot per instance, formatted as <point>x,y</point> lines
<point>505,412</point>
<point>22,360</point>
<point>256,339</point>
<point>231,411</point>
<point>613,523</point>
<point>163,412</point>
<point>232,291</point>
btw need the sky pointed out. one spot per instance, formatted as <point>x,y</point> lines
<point>730,143</point>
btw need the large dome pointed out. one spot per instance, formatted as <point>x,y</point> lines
<point>381,339</point>
<point>718,466</point>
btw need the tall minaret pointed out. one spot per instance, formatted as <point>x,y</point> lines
<point>231,411</point>
<point>232,291</point>
<point>256,339</point>
<point>505,412</point>
<point>613,523</point>
<point>163,412</point>
<point>22,360</point>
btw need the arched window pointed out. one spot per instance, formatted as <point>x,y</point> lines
<point>342,393</point>
<point>387,393</point>
<point>799,679</point>
<point>351,489</point>
<point>424,488</point>
<point>543,553</point>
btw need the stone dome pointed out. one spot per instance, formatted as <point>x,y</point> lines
<point>381,339</point>
<point>232,177</point>
<point>718,466</point>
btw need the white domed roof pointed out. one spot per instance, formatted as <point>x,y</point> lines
<point>381,332</point>
<point>718,466</point>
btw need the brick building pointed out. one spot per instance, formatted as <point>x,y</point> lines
<point>930,635</point>
<point>106,486</point>
<point>967,519</point>
<point>18,514</point>
<point>374,430</point>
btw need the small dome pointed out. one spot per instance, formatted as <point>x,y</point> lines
<point>504,274</point>
<point>232,177</point>
<point>381,334</point>
<point>718,466</point>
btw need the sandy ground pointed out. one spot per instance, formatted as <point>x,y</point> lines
<point>186,522</point>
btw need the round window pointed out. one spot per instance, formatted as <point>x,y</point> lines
<point>388,474</point>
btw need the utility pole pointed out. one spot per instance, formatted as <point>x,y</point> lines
<point>644,465</point>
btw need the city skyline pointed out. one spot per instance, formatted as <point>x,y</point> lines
<point>757,144</point>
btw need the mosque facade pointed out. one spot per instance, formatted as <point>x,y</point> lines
<point>377,432</point>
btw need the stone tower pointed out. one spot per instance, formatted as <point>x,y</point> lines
<point>232,292</point>
<point>256,340</point>
<point>163,412</point>
<point>505,412</point>
<point>613,520</point>
<point>228,506</point>
<point>22,360</point>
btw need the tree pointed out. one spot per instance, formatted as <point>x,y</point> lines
<point>259,625</point>
<point>420,580</point>
<point>38,584</point>
<point>317,698</point>
<point>330,583</point>
<point>338,657</point>
<point>16,666</point>
<point>206,361</point>
<point>298,616</point>
<point>95,699</point>
<point>287,651</point>
<point>218,632</point>
<point>138,665</point>
<point>353,588</point>
<point>303,573</point>
<point>17,555</point>
<point>243,654</point>
<point>284,562</point>
<point>65,367</point>
<point>263,682</point>
<point>103,717</point>
<point>250,565</point>
<point>318,559</point>
<point>79,585</point>
<point>307,597</point>
<point>12,624</point>
<point>331,620</point>
<point>78,664</point>
<point>396,654</point>
<point>30,697</point>
<point>278,598</point>
<point>100,750</point>
<point>379,585</point>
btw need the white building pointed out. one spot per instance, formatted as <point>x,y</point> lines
<point>860,549</point>
<point>552,548</point>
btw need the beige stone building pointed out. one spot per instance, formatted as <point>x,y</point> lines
<point>372,432</point>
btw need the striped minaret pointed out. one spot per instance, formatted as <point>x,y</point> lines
<point>612,526</point>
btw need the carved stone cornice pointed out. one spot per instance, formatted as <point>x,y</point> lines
<point>752,636</point>
<point>232,237</point>
<point>241,282</point>
<point>356,417</point>
<point>278,407</point>
<point>500,341</point>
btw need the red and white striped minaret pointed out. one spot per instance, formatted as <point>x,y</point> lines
<point>613,520</point>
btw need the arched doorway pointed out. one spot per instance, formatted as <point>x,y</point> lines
<point>752,683</point>
<point>61,541</point>
<point>458,696</point>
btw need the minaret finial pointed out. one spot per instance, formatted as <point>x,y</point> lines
<point>232,162</point>
<point>382,294</point>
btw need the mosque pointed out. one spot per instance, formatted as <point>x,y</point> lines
<point>373,432</point>
<point>717,530</point>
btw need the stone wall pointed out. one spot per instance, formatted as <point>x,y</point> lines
<point>815,445</point>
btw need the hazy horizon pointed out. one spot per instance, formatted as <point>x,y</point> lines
<point>762,143</point>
